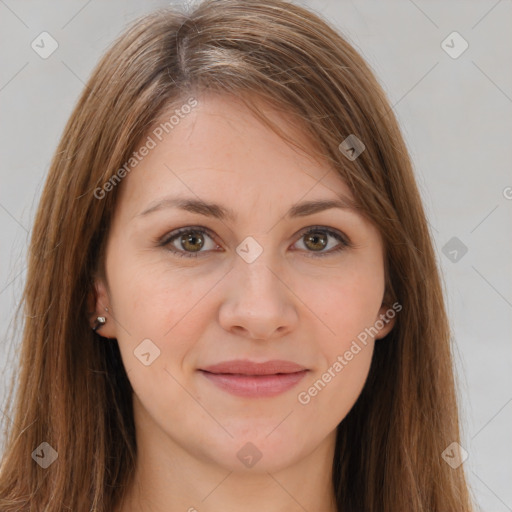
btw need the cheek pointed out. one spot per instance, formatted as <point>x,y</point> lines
<point>349,311</point>
<point>345,381</point>
<point>348,301</point>
<point>168,306</point>
<point>345,356</point>
<point>151,295</point>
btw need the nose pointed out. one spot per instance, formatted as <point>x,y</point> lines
<point>258,303</point>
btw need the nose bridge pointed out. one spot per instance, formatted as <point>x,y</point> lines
<point>257,302</point>
<point>254,268</point>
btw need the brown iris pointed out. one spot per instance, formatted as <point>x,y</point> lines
<point>318,239</point>
<point>189,241</point>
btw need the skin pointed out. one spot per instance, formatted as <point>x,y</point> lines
<point>290,303</point>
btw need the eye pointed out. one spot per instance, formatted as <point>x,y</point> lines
<point>316,238</point>
<point>188,242</point>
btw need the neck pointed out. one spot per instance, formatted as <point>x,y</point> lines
<point>168,478</point>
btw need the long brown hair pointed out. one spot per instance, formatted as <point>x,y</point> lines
<point>72,389</point>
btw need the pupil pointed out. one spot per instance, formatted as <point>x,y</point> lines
<point>191,239</point>
<point>315,238</point>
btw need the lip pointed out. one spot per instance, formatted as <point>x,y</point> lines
<point>251,379</point>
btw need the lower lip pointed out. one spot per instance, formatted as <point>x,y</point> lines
<point>255,385</point>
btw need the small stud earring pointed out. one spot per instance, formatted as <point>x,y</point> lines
<point>100,321</point>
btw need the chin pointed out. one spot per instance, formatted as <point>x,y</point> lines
<point>257,453</point>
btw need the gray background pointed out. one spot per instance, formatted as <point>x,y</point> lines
<point>456,115</point>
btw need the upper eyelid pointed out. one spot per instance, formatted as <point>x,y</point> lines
<point>179,231</point>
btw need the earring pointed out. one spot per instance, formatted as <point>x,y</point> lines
<point>100,321</point>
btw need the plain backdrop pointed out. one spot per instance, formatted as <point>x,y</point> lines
<point>456,115</point>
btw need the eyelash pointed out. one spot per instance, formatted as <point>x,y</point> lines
<point>166,240</point>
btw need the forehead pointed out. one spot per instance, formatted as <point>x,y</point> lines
<point>222,153</point>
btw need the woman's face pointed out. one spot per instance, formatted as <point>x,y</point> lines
<point>259,272</point>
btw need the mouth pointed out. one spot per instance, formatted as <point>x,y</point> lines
<point>250,379</point>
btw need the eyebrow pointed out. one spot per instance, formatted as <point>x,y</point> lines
<point>209,209</point>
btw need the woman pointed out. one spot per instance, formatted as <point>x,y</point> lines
<point>232,299</point>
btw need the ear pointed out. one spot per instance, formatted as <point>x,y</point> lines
<point>98,303</point>
<point>385,320</point>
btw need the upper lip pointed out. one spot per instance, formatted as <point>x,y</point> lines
<point>246,367</point>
